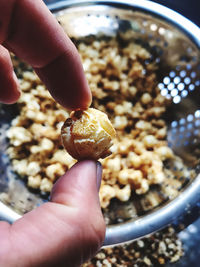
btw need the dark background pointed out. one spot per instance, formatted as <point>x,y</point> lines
<point>188,8</point>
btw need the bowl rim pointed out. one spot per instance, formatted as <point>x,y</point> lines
<point>159,10</point>
<point>182,204</point>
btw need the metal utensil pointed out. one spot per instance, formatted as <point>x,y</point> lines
<point>175,42</point>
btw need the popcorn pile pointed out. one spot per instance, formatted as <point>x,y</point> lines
<point>35,148</point>
<point>123,81</point>
<point>124,86</point>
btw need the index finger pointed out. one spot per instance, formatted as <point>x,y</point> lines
<point>30,31</point>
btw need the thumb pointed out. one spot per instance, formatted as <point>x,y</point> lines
<point>64,232</point>
<point>79,186</point>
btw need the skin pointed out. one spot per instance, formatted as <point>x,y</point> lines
<point>70,228</point>
<point>28,29</point>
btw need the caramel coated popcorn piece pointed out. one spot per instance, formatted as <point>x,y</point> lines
<point>18,136</point>
<point>88,134</point>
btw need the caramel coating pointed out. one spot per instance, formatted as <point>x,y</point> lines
<point>88,134</point>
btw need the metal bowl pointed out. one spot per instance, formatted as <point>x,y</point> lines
<point>175,42</point>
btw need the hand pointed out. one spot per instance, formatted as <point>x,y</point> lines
<point>64,232</point>
<point>28,29</point>
<point>70,228</point>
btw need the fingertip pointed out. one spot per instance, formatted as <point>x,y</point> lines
<point>77,185</point>
<point>82,103</point>
<point>80,100</point>
<point>9,92</point>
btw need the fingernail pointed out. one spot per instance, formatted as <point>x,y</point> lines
<point>99,174</point>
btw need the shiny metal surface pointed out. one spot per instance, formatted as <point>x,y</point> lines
<point>158,219</point>
<point>176,43</point>
<point>7,214</point>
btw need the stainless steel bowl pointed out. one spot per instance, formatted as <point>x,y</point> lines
<point>175,42</point>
